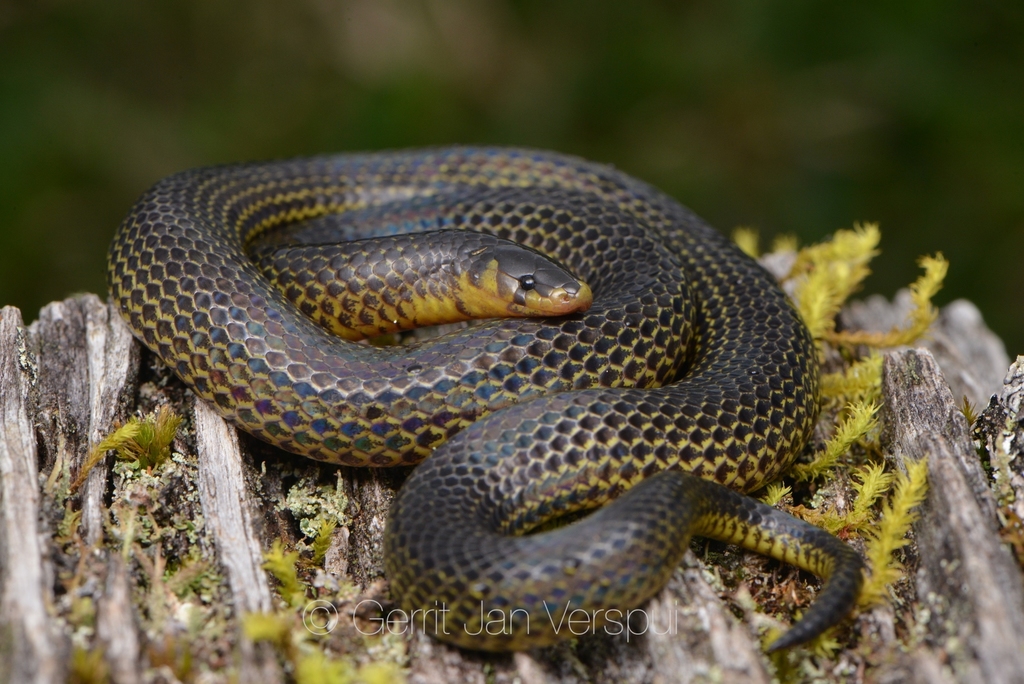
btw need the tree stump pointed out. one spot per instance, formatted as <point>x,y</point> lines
<point>146,575</point>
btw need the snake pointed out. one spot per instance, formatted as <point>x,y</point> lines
<point>643,376</point>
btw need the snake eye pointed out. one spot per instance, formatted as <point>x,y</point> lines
<point>527,282</point>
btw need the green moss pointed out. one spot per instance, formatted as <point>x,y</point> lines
<point>144,443</point>
<point>324,536</point>
<point>67,529</point>
<point>283,566</point>
<point>195,577</point>
<point>748,240</point>
<point>273,627</point>
<point>890,534</point>
<point>841,487</point>
<point>88,667</point>
<point>860,419</point>
<point>775,493</point>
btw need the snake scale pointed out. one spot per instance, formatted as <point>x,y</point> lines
<point>689,377</point>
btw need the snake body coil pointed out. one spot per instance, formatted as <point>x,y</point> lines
<point>691,361</point>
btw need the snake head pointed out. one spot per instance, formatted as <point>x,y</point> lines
<point>517,281</point>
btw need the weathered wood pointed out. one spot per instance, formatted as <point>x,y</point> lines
<point>1000,430</point>
<point>371,492</point>
<point>685,634</point>
<point>88,369</point>
<point>719,647</point>
<point>84,367</point>
<point>63,384</point>
<point>31,647</point>
<point>966,578</point>
<point>923,666</point>
<point>115,625</point>
<point>229,512</point>
<point>113,357</point>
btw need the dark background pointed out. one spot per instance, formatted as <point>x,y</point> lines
<point>793,117</point>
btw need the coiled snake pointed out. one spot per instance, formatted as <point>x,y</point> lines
<point>691,370</point>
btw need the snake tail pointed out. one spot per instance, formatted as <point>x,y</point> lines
<point>752,525</point>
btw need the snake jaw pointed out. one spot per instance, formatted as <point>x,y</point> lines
<point>559,301</point>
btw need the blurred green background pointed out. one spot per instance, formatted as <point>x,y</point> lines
<point>790,116</point>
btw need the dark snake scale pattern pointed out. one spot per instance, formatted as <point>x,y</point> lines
<point>691,370</point>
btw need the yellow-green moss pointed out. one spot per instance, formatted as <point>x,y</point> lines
<point>316,667</point>
<point>282,565</point>
<point>860,381</point>
<point>775,493</point>
<point>829,272</point>
<point>822,278</point>
<point>88,667</point>
<point>747,240</point>
<point>898,514</point>
<point>144,442</point>
<point>921,317</point>
<point>859,420</point>
<point>323,539</point>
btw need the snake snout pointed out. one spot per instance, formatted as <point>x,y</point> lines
<point>571,298</point>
